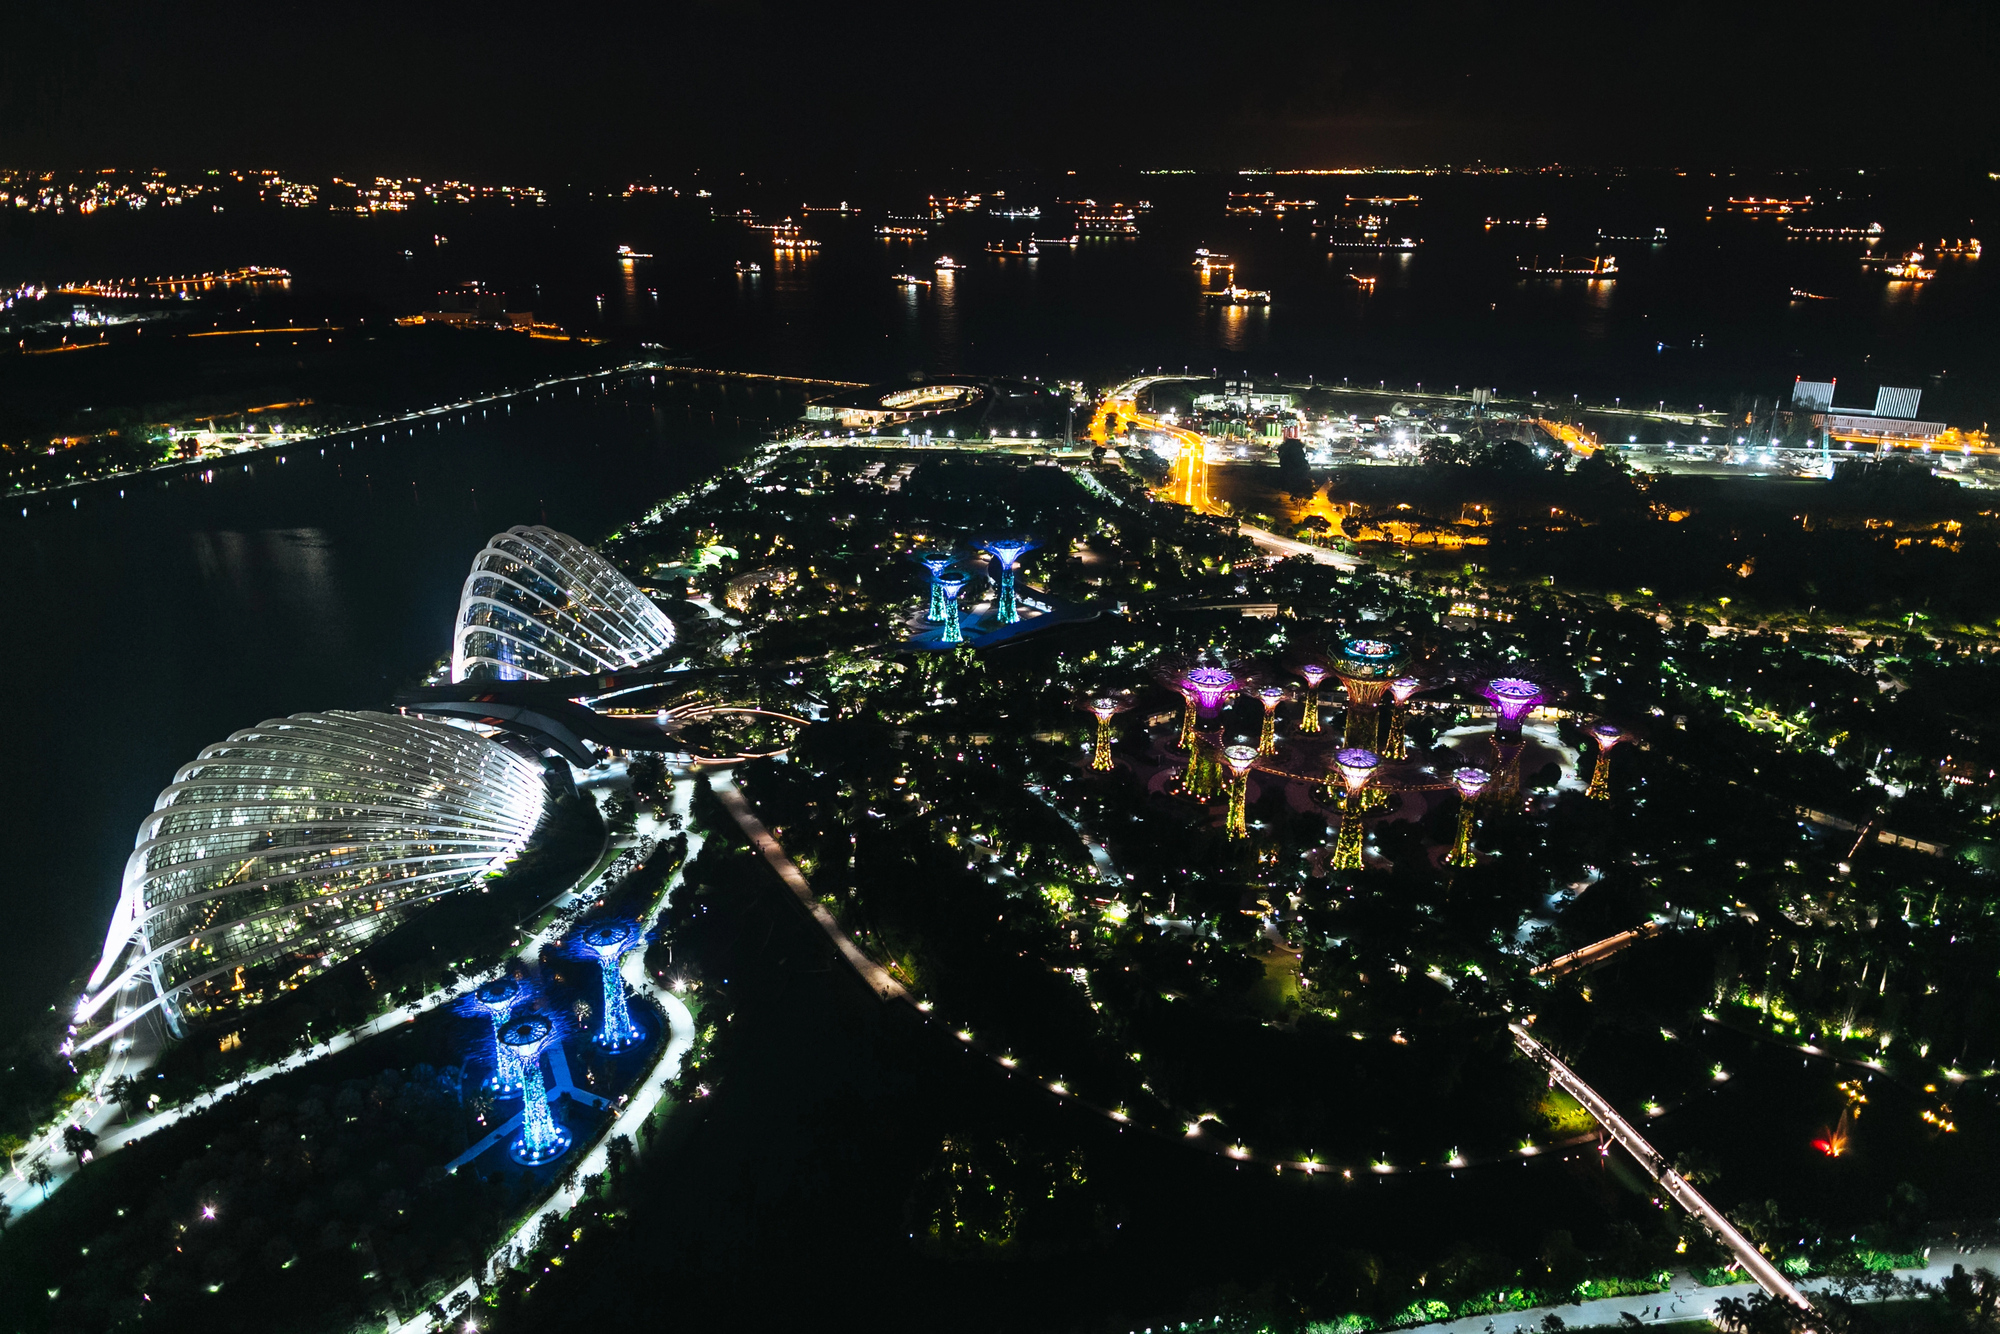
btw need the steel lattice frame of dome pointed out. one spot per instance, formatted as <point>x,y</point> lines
<point>295,841</point>
<point>540,604</point>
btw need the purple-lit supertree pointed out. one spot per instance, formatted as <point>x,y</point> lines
<point>1400,691</point>
<point>949,584</point>
<point>1239,759</point>
<point>608,942</point>
<point>1606,735</point>
<point>1471,783</point>
<point>1513,696</point>
<point>936,563</point>
<point>1357,764</point>
<point>1312,673</point>
<point>498,998</point>
<point>1007,553</point>
<point>1206,689</point>
<point>1270,697</point>
<point>541,1140</point>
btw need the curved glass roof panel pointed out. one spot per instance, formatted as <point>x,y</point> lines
<point>539,603</point>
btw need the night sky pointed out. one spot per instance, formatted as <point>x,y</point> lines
<point>557,91</point>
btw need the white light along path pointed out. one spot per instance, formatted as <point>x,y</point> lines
<point>1754,1261</point>
<point>874,974</point>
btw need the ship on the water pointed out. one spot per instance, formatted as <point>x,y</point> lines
<point>1012,248</point>
<point>947,264</point>
<point>909,280</point>
<point>1233,295</point>
<point>1600,266</point>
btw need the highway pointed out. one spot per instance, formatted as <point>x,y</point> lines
<point>1754,1262</point>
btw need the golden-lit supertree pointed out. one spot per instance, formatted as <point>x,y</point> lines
<point>1270,697</point>
<point>1356,763</point>
<point>1313,673</point>
<point>1470,784</point>
<point>1606,735</point>
<point>1239,759</point>
<point>1104,707</point>
<point>1188,716</point>
<point>1400,691</point>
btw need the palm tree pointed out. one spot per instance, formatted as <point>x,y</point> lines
<point>41,1174</point>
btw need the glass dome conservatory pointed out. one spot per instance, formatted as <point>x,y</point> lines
<point>278,852</point>
<point>539,603</point>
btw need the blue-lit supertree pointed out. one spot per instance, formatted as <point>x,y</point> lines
<point>1007,553</point>
<point>608,942</point>
<point>498,998</point>
<point>541,1140</point>
<point>936,562</point>
<point>950,584</point>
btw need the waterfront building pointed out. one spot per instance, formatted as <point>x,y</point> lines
<point>278,853</point>
<point>540,604</point>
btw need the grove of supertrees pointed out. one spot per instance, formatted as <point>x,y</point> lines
<point>1367,767</point>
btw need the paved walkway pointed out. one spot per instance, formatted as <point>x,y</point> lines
<point>1686,1299</point>
<point>874,974</point>
<point>1758,1265</point>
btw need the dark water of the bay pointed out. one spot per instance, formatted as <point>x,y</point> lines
<point>1716,310</point>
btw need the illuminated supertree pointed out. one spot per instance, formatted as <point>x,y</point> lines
<point>1364,666</point>
<point>541,1140</point>
<point>1400,691</point>
<point>1007,553</point>
<point>936,562</point>
<point>608,942</point>
<point>498,998</point>
<point>1104,708</point>
<point>1513,697</point>
<point>1206,688</point>
<point>949,585</point>
<point>1313,673</point>
<point>1606,735</point>
<point>1470,784</point>
<point>1356,763</point>
<point>1239,759</point>
<point>1270,697</point>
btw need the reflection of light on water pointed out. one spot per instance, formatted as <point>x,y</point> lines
<point>944,352</point>
<point>1238,327</point>
<point>1901,292</point>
